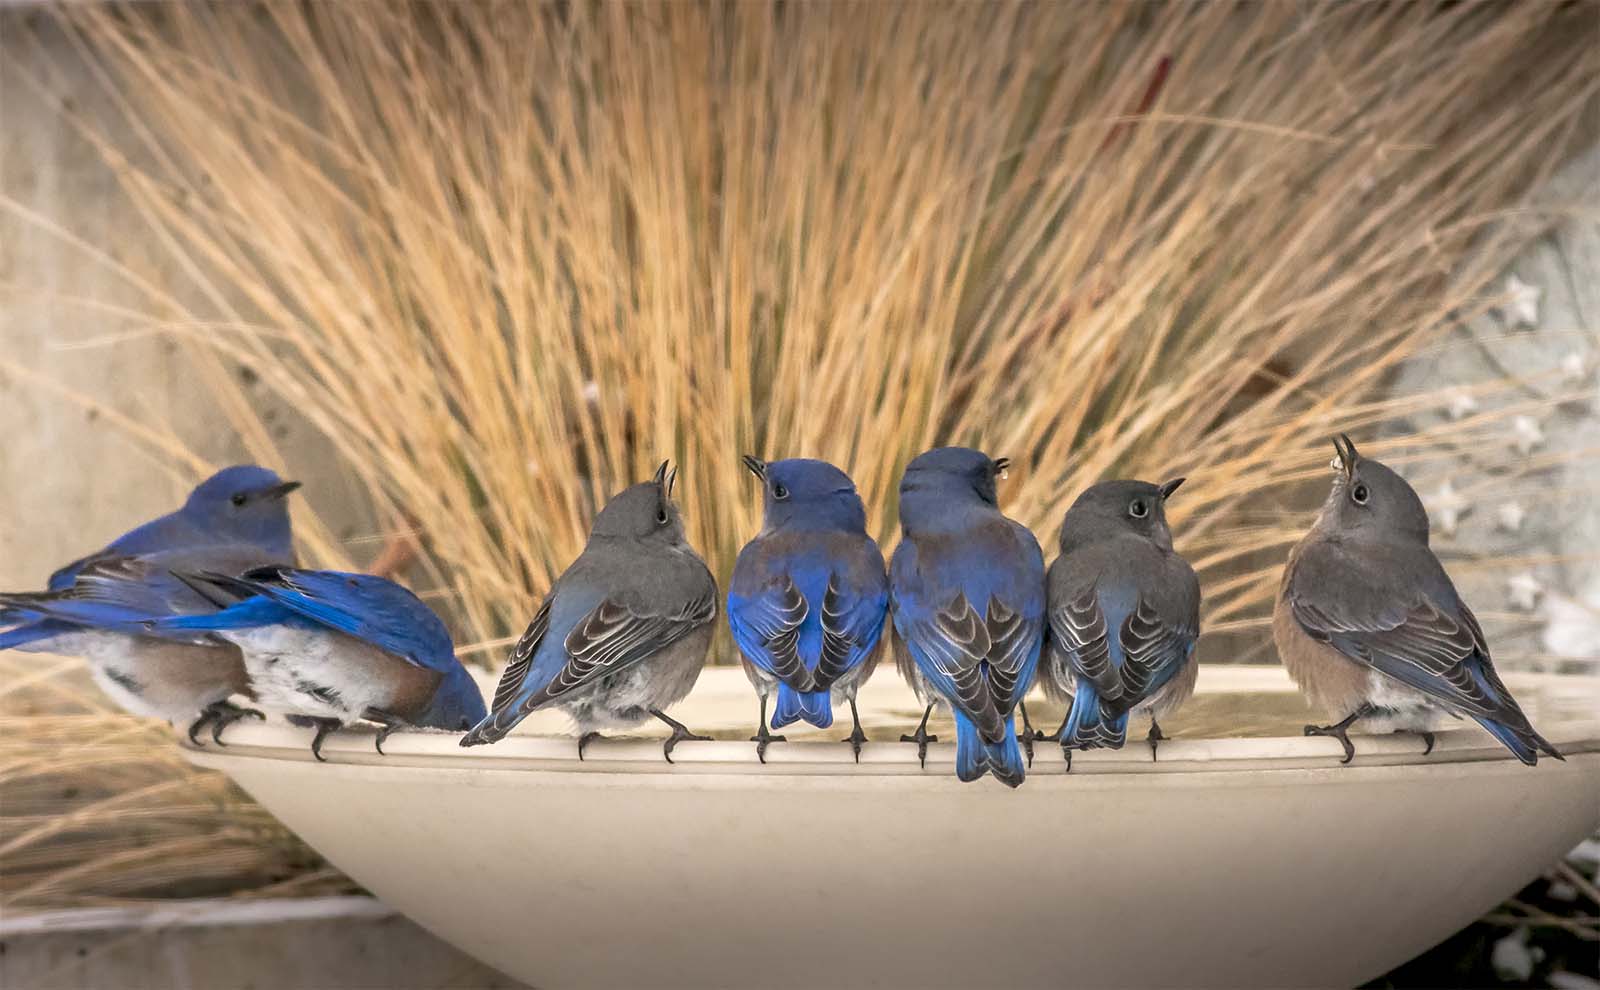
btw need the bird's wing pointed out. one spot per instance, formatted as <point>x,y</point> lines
<point>1078,629</point>
<point>1422,636</point>
<point>851,625</point>
<point>616,635</point>
<point>371,609</point>
<point>1154,649</point>
<point>766,626</point>
<point>522,657</point>
<point>950,645</point>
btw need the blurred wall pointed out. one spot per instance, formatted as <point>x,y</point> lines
<point>70,477</point>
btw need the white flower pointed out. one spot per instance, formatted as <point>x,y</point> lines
<point>1524,590</point>
<point>1509,516</point>
<point>1447,506</point>
<point>1462,404</point>
<point>1574,368</point>
<point>1521,307</point>
<point>1527,434</point>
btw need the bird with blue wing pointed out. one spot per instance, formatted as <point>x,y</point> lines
<point>808,597</point>
<point>1370,626</point>
<point>967,600</point>
<point>243,504</point>
<point>103,614</point>
<point>1124,613</point>
<point>622,634</point>
<point>328,648</point>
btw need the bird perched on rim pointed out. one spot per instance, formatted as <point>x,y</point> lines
<point>1369,625</point>
<point>967,598</point>
<point>102,617</point>
<point>808,597</point>
<point>239,505</point>
<point>624,631</point>
<point>326,648</point>
<point>235,519</point>
<point>1124,616</point>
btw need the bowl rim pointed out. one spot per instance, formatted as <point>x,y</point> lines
<point>273,741</point>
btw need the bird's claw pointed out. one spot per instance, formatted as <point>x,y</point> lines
<point>762,739</point>
<point>855,739</point>
<point>680,733</point>
<point>1026,739</point>
<point>1153,738</point>
<point>584,740</point>
<point>922,739</point>
<point>1427,738</point>
<point>1338,731</point>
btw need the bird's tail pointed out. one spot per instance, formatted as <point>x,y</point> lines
<point>1090,725</point>
<point>1522,740</point>
<point>813,706</point>
<point>976,757</point>
<point>1509,724</point>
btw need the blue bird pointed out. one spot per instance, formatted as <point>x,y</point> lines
<point>624,631</point>
<point>967,597</point>
<point>1124,616</point>
<point>327,648</point>
<point>1369,625</point>
<point>101,616</point>
<point>808,597</point>
<point>243,504</point>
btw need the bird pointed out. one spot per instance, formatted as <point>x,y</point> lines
<point>808,597</point>
<point>1124,613</point>
<point>622,633</point>
<point>1371,628</point>
<point>967,601</point>
<point>243,504</point>
<point>328,648</point>
<point>102,614</point>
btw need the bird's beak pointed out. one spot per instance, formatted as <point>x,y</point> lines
<point>661,475</point>
<point>1001,466</point>
<point>1348,458</point>
<point>280,490</point>
<point>757,467</point>
<point>1169,487</point>
<point>672,479</point>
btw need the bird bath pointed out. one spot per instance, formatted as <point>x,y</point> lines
<point>1252,859</point>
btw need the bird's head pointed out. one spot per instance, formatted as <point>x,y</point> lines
<point>643,512</point>
<point>1369,500</point>
<point>244,504</point>
<point>1112,507</point>
<point>804,492</point>
<point>954,472</point>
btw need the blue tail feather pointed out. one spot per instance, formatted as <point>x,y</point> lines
<point>812,706</point>
<point>975,757</point>
<point>1088,724</point>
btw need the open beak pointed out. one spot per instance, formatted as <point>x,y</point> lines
<point>280,490</point>
<point>1348,457</point>
<point>1169,487</point>
<point>757,467</point>
<point>660,477</point>
<point>1001,466</point>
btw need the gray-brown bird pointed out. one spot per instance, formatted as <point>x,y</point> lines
<point>1370,627</point>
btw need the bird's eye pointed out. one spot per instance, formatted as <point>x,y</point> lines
<point>1137,509</point>
<point>239,498</point>
<point>1360,494</point>
<point>779,492</point>
<point>661,516</point>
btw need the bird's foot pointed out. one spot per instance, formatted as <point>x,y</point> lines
<point>219,715</point>
<point>762,738</point>
<point>1426,737</point>
<point>855,739</point>
<point>1026,737</point>
<point>585,739</point>
<point>680,733</point>
<point>1339,731</point>
<point>323,727</point>
<point>1066,756</point>
<point>1153,738</point>
<point>922,739</point>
